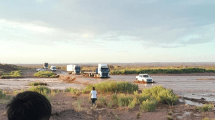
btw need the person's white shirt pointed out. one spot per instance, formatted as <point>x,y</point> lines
<point>93,94</point>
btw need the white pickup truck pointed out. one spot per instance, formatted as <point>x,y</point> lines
<point>144,77</point>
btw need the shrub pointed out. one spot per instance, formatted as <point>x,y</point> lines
<point>161,94</point>
<point>169,117</point>
<point>109,104</point>
<point>142,98</point>
<point>83,91</point>
<point>132,103</point>
<point>148,105</point>
<point>40,89</point>
<point>124,100</point>
<point>37,84</point>
<point>206,107</point>
<point>73,91</point>
<point>12,74</point>
<point>2,94</point>
<point>101,101</point>
<point>44,74</point>
<point>113,86</point>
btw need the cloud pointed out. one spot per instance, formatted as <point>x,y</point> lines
<point>85,22</point>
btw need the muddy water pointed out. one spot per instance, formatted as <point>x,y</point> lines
<point>187,86</point>
<point>22,83</point>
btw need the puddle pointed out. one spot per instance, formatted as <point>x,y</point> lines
<point>184,115</point>
<point>189,102</point>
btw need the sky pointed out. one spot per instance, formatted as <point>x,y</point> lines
<point>117,31</point>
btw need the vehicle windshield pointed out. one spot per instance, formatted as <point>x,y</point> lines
<point>53,67</point>
<point>77,68</point>
<point>105,70</point>
<point>145,76</point>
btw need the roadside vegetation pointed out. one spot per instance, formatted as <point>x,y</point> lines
<point>134,69</point>
<point>45,74</point>
<point>163,71</point>
<point>112,86</point>
<point>38,84</point>
<point>206,107</point>
<point>10,71</point>
<point>123,94</point>
<point>12,74</point>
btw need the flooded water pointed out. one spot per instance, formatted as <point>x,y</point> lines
<point>22,83</point>
<point>185,86</point>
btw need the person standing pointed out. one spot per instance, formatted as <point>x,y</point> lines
<point>93,96</point>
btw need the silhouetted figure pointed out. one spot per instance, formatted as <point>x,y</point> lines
<point>93,95</point>
<point>29,106</point>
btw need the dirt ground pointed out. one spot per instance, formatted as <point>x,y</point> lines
<point>66,106</point>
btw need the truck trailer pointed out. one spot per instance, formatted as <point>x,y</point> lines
<point>73,69</point>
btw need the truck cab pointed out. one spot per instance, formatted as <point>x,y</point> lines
<point>144,77</point>
<point>45,65</point>
<point>103,70</point>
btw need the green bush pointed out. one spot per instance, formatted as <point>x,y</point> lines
<point>113,86</point>
<point>44,74</point>
<point>12,74</point>
<point>132,103</point>
<point>40,89</point>
<point>148,105</point>
<point>206,107</point>
<point>37,84</point>
<point>124,100</point>
<point>142,98</point>
<point>161,94</point>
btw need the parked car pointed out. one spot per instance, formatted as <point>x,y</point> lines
<point>144,77</point>
<point>40,69</point>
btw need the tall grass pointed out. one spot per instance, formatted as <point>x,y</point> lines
<point>112,86</point>
<point>38,84</point>
<point>12,74</point>
<point>206,107</point>
<point>73,91</point>
<point>148,105</point>
<point>40,89</point>
<point>161,94</point>
<point>2,95</point>
<point>44,74</point>
<point>124,100</point>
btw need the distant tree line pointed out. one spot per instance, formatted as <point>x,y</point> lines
<point>164,71</point>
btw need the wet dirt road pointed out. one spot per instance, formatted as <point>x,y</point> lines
<point>187,86</point>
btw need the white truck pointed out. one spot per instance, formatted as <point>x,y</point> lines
<point>45,65</point>
<point>73,69</point>
<point>53,68</point>
<point>103,71</point>
<point>145,78</point>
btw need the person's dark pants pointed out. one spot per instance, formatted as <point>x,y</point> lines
<point>93,100</point>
